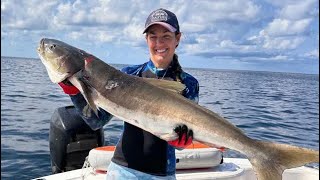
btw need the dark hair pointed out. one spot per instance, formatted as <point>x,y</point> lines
<point>176,67</point>
<point>177,33</point>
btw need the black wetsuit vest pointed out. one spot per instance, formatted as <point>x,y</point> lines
<point>140,150</point>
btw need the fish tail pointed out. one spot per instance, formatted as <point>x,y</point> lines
<point>272,159</point>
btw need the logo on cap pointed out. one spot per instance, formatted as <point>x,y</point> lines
<point>159,15</point>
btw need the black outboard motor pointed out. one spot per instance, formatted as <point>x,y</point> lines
<point>71,139</point>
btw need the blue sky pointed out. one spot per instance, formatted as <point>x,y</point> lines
<point>261,35</point>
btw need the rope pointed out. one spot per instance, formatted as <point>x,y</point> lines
<point>87,169</point>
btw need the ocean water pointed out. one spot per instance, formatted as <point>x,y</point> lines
<point>278,107</point>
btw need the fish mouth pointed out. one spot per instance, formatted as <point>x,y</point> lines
<point>41,45</point>
<point>42,42</point>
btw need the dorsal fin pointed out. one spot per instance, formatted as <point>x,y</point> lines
<point>173,86</point>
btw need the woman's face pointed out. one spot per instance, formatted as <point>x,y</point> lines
<point>162,44</point>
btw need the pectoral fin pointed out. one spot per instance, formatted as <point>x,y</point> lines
<point>86,90</point>
<point>87,94</point>
<point>173,86</point>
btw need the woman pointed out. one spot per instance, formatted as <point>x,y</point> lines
<point>139,154</point>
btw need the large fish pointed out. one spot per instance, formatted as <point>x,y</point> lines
<point>148,104</point>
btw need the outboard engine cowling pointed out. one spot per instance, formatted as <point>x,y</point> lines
<point>71,139</point>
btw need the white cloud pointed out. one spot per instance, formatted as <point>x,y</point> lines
<point>273,58</point>
<point>191,27</point>
<point>282,42</point>
<point>33,14</point>
<point>225,28</point>
<point>121,16</point>
<point>289,28</point>
<point>75,35</point>
<point>203,15</point>
<point>232,46</point>
<point>281,27</point>
<point>299,9</point>
<point>103,36</point>
<point>201,43</point>
<point>280,57</point>
<point>133,32</point>
<point>313,53</point>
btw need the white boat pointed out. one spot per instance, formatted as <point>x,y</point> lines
<point>231,169</point>
<point>197,161</point>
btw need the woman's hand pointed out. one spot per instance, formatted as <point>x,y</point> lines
<point>185,137</point>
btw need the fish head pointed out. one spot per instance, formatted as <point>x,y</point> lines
<point>60,59</point>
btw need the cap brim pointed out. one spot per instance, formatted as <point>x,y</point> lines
<point>166,25</point>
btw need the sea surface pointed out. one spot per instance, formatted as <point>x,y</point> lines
<point>271,106</point>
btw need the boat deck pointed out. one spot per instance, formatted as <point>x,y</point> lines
<point>231,169</point>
